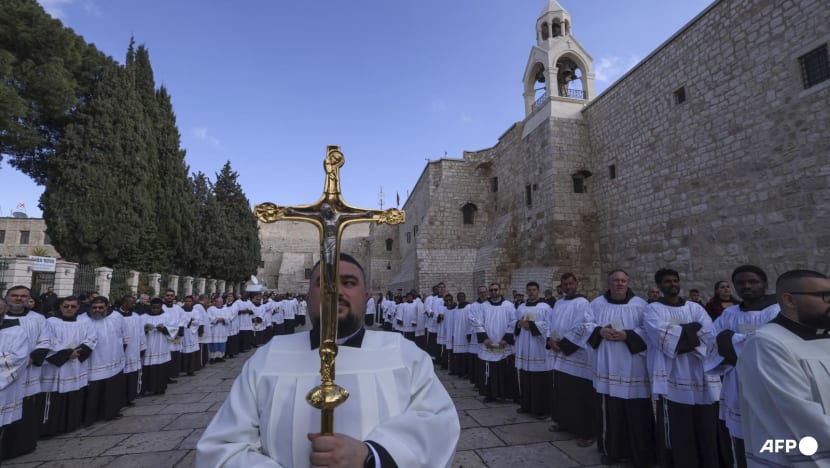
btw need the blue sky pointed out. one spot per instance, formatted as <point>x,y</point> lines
<point>268,84</point>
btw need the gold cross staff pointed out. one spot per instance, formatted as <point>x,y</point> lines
<point>331,214</point>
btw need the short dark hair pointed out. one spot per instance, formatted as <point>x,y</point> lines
<point>19,286</point>
<point>750,269</point>
<point>344,257</point>
<point>694,291</point>
<point>663,272</point>
<point>566,276</point>
<point>532,283</point>
<point>100,299</point>
<point>789,280</point>
<point>156,300</point>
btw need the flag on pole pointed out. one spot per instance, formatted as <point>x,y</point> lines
<point>398,196</point>
<point>21,206</point>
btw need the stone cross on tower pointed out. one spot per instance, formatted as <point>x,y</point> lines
<point>331,214</point>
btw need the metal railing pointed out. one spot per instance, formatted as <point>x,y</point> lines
<point>84,280</point>
<point>572,93</point>
<point>541,100</point>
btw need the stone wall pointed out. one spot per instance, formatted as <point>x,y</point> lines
<point>291,247</point>
<point>11,229</point>
<point>739,172</point>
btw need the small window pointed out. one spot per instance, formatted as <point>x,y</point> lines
<point>612,171</point>
<point>46,239</point>
<point>307,273</point>
<point>579,181</point>
<point>529,195</point>
<point>2,236</point>
<point>814,66</point>
<point>680,95</point>
<point>415,231</point>
<point>469,212</point>
<point>408,237</point>
<point>494,184</point>
<point>262,263</point>
<point>389,245</point>
<point>24,237</point>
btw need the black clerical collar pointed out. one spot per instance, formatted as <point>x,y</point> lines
<point>462,305</point>
<point>762,303</point>
<point>8,322</point>
<point>501,301</point>
<point>664,301</point>
<point>628,296</point>
<point>354,341</point>
<point>125,313</point>
<point>68,319</point>
<point>805,332</point>
<point>570,298</point>
<point>530,303</point>
<point>481,301</point>
<point>451,308</point>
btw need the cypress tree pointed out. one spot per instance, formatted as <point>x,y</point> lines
<point>242,254</point>
<point>92,203</point>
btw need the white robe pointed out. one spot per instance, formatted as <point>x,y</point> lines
<point>192,321</point>
<point>567,321</point>
<point>431,314</point>
<point>396,401</point>
<point>136,341</point>
<point>158,343</point>
<point>407,314</point>
<point>245,320</point>
<point>204,320</point>
<point>108,358</point>
<point>39,337</point>
<point>497,320</point>
<point>785,394</point>
<point>421,327</point>
<point>617,372</point>
<point>744,324</point>
<point>14,356</point>
<point>531,352</point>
<point>74,374</point>
<point>679,377</point>
<point>218,329</point>
<point>461,329</point>
<point>176,315</point>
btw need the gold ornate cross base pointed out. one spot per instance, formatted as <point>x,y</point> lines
<point>331,214</point>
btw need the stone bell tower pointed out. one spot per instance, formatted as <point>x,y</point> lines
<point>559,74</point>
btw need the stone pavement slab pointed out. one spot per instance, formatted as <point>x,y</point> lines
<point>162,431</point>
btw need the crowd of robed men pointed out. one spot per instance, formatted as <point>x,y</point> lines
<point>649,381</point>
<point>81,360</point>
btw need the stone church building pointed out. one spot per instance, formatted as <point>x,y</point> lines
<point>712,152</point>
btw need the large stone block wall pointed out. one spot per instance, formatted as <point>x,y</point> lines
<point>740,172</point>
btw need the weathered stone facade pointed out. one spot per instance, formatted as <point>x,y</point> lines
<point>739,172</point>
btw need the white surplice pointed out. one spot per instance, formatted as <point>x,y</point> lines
<point>785,394</point>
<point>74,374</point>
<point>744,323</point>
<point>531,350</point>
<point>158,343</point>
<point>618,372</point>
<point>396,401</point>
<point>136,341</point>
<point>497,320</point>
<point>680,377</point>
<point>14,356</point>
<point>567,321</point>
<point>108,358</point>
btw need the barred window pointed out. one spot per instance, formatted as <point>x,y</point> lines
<point>815,66</point>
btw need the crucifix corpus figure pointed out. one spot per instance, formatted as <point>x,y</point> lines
<point>401,415</point>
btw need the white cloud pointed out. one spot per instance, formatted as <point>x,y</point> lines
<point>608,69</point>
<point>55,8</point>
<point>202,134</point>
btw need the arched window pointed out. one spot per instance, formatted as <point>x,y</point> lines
<point>545,33</point>
<point>469,211</point>
<point>388,245</point>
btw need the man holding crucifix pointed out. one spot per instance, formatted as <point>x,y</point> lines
<point>400,413</point>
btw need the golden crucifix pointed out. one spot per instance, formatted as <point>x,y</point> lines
<point>331,214</point>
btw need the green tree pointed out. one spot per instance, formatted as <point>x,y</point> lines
<point>242,254</point>
<point>46,72</point>
<point>95,201</point>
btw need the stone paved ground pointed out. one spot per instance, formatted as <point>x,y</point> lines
<point>162,431</point>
